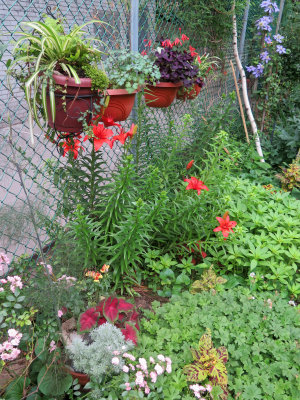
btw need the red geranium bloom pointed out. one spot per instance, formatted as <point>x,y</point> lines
<point>144,53</point>
<point>101,136</point>
<point>69,145</point>
<point>190,164</point>
<point>177,41</point>
<point>195,184</point>
<point>108,121</point>
<point>225,225</point>
<point>167,43</point>
<point>184,37</point>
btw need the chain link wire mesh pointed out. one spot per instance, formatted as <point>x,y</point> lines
<point>157,18</point>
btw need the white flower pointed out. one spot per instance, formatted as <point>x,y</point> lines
<point>115,361</point>
<point>12,333</point>
<point>169,368</point>
<point>158,369</point>
<point>153,376</point>
<point>160,357</point>
<point>143,364</point>
<point>125,368</point>
<point>252,275</point>
<point>292,303</point>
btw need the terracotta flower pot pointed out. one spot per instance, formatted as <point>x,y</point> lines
<point>191,94</point>
<point>79,98</point>
<point>120,104</point>
<point>83,379</point>
<point>161,95</point>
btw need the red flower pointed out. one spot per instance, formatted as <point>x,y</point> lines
<point>73,146</point>
<point>101,136</point>
<point>199,60</point>
<point>190,164</point>
<point>225,225</point>
<point>184,37</point>
<point>167,43</point>
<point>124,135</point>
<point>193,52</point>
<point>195,184</point>
<point>144,53</point>
<point>149,43</point>
<point>177,41</point>
<point>108,121</point>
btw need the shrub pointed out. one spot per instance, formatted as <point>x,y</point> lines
<point>259,333</point>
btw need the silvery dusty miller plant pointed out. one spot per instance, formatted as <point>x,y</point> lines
<point>95,359</point>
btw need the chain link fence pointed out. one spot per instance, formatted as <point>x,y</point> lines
<point>156,18</point>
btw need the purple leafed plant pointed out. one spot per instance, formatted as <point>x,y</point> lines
<point>175,66</point>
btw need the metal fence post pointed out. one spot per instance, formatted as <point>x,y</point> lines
<point>243,34</point>
<point>134,46</point>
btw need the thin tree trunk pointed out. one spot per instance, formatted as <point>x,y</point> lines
<point>279,15</point>
<point>244,89</point>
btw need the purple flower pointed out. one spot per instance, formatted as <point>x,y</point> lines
<point>280,49</point>
<point>265,57</point>
<point>268,40</point>
<point>263,23</point>
<point>251,68</point>
<point>278,38</point>
<point>269,6</point>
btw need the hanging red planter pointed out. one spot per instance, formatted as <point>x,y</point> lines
<point>161,95</point>
<point>120,104</point>
<point>78,98</point>
<point>188,95</point>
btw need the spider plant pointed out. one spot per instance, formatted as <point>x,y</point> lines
<point>44,49</point>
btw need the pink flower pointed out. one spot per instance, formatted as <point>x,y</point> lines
<point>130,356</point>
<point>127,386</point>
<point>60,313</point>
<point>116,353</point>
<point>52,346</point>
<point>115,361</point>
<point>7,346</point>
<point>12,333</point>
<point>152,360</point>
<point>132,367</point>
<point>1,289</point>
<point>3,280</point>
<point>147,390</point>
<point>208,388</point>
<point>153,376</point>
<point>125,368</point>
<point>143,364</point>
<point>160,357</point>
<point>139,380</point>
<point>169,368</point>
<point>15,341</point>
<point>159,369</point>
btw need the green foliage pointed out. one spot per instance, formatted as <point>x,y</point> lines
<point>209,281</point>
<point>130,70</point>
<point>99,78</point>
<point>261,341</point>
<point>208,363</point>
<point>267,234</point>
<point>45,48</point>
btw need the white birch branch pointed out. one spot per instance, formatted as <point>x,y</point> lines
<point>244,89</point>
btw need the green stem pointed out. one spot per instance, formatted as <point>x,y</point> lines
<point>92,179</point>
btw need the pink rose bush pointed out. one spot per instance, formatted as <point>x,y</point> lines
<point>140,375</point>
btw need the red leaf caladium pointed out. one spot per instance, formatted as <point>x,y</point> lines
<point>115,310</point>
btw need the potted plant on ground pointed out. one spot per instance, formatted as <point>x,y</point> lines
<point>176,68</point>
<point>59,71</point>
<point>205,66</point>
<point>110,326</point>
<point>128,72</point>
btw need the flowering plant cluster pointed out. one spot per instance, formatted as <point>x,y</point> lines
<point>98,135</point>
<point>195,184</point>
<point>98,275</point>
<point>140,375</point>
<point>176,62</point>
<point>9,349</point>
<point>271,45</point>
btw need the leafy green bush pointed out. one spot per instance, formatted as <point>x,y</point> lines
<point>259,333</point>
<point>266,240</point>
